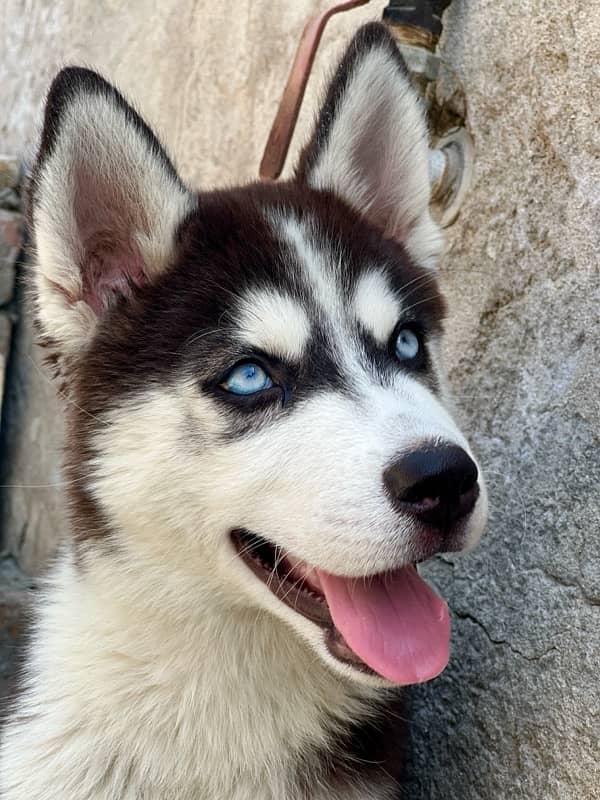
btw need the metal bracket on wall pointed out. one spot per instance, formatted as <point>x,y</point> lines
<point>416,27</point>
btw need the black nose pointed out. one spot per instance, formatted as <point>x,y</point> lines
<point>437,485</point>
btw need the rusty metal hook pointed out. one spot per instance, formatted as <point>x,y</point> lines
<point>283,126</point>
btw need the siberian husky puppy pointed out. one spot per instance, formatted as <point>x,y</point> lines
<point>258,455</point>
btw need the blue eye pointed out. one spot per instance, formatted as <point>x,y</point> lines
<point>247,378</point>
<point>407,344</point>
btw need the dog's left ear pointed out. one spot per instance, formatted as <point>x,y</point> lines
<point>105,206</point>
<point>370,146</point>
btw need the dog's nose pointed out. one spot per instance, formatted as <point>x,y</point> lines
<point>436,485</point>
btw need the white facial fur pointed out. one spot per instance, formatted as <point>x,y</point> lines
<point>273,322</point>
<point>377,309</point>
<point>309,481</point>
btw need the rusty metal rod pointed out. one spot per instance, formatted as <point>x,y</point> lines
<point>283,126</point>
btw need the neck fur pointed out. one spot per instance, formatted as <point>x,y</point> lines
<point>168,670</point>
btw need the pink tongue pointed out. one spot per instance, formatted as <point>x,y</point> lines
<point>394,623</point>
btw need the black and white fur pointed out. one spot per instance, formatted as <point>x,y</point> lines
<point>159,666</point>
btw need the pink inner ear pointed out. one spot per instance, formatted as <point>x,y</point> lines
<point>107,222</point>
<point>371,159</point>
<point>110,272</point>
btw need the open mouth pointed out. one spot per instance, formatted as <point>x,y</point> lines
<point>391,624</point>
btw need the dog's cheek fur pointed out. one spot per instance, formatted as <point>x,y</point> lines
<point>161,462</point>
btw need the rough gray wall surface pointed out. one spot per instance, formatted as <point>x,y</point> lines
<point>516,715</point>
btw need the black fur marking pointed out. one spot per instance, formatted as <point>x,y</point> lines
<point>373,750</point>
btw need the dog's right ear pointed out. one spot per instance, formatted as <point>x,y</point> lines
<point>105,206</point>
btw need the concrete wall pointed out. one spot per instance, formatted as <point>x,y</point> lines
<point>516,714</point>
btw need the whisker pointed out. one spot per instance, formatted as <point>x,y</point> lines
<point>419,282</point>
<point>293,586</point>
<point>274,572</point>
<point>247,549</point>
<point>57,485</point>
<point>196,337</point>
<point>420,302</point>
<point>63,396</point>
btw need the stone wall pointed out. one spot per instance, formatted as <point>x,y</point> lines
<point>516,713</point>
<point>31,512</point>
<point>14,584</point>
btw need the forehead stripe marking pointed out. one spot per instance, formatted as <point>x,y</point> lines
<point>318,266</point>
<point>274,322</point>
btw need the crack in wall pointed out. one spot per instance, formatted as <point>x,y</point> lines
<point>503,642</point>
<point>589,599</point>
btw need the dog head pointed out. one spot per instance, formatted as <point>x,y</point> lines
<point>254,374</point>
